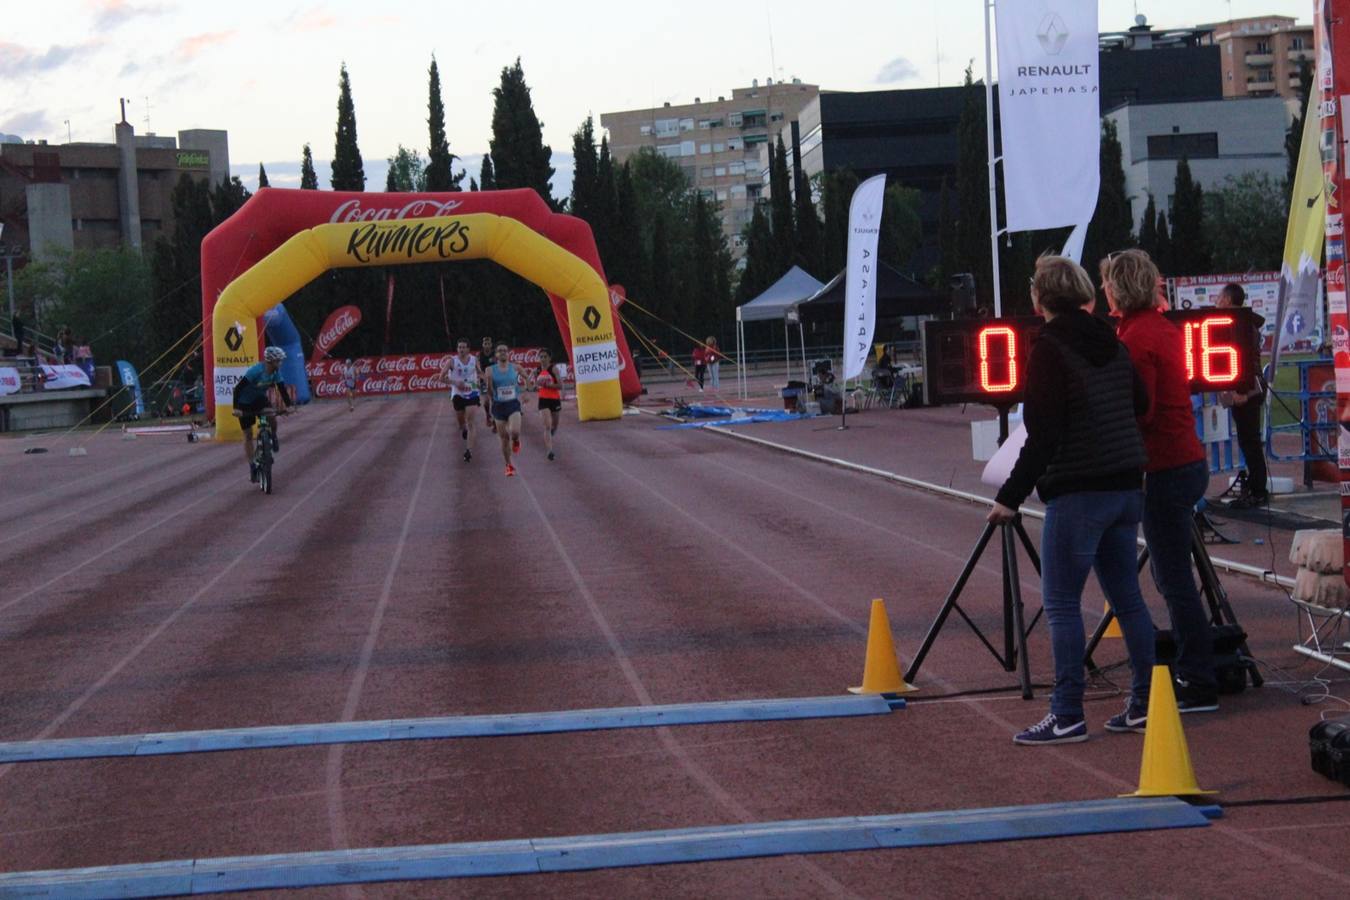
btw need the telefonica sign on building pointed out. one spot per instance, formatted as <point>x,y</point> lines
<point>1050,122</point>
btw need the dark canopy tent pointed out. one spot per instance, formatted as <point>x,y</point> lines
<point>777,302</point>
<point>898,296</point>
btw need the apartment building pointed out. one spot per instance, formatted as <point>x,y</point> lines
<point>716,143</point>
<point>1263,56</point>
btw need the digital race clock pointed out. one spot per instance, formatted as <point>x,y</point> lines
<point>985,360</point>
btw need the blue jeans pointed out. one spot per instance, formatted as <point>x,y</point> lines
<point>1169,513</point>
<point>1083,531</point>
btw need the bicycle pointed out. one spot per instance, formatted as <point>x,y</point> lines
<point>264,447</point>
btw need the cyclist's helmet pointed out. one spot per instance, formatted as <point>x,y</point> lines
<point>274,354</point>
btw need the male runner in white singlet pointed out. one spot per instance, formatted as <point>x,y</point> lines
<point>463,373</point>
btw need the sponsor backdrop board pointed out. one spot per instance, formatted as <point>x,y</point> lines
<point>405,374</point>
<point>1263,294</point>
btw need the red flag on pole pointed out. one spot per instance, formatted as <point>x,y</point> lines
<point>335,328</point>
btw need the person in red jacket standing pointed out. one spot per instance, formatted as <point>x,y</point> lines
<point>1175,477</point>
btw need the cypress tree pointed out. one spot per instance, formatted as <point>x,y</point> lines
<point>262,177</point>
<point>759,257</point>
<point>487,178</point>
<point>177,262</point>
<point>838,189</point>
<point>349,173</point>
<point>309,179</point>
<point>1293,138</point>
<point>473,184</point>
<point>1112,226</point>
<point>780,211</point>
<point>440,175</point>
<point>946,238</point>
<point>606,208</point>
<point>1163,258</point>
<point>707,239</point>
<point>625,262</point>
<point>586,196</point>
<point>520,158</point>
<point>972,181</point>
<point>1190,255</point>
<point>1148,229</point>
<point>810,253</point>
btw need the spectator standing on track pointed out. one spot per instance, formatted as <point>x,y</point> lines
<point>549,385</point>
<point>505,380</point>
<point>487,357</point>
<point>700,359</point>
<point>714,362</point>
<point>1246,402</point>
<point>464,374</point>
<point>1175,477</point>
<point>1085,458</point>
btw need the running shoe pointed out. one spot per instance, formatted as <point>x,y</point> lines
<point>550,456</point>
<point>515,445</point>
<point>510,470</point>
<point>1192,698</point>
<point>1054,729</point>
<point>467,455</point>
<point>252,473</point>
<point>1133,718</point>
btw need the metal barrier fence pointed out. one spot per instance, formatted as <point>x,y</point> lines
<point>1315,411</point>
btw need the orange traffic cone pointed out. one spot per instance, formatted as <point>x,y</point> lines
<point>881,672</point>
<point>1112,630</point>
<point>1166,767</point>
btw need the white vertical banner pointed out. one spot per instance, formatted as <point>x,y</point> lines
<point>1048,112</point>
<point>860,277</point>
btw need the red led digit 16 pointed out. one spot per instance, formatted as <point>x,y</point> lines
<point>994,334</point>
<point>1218,361</point>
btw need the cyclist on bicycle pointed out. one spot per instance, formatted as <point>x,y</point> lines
<point>251,398</point>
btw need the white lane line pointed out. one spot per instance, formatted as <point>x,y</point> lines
<point>720,794</point>
<point>337,819</point>
<point>159,629</point>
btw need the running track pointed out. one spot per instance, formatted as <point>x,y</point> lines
<point>147,588</point>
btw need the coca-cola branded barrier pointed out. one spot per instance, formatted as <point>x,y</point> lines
<point>339,323</point>
<point>272,216</point>
<point>407,374</point>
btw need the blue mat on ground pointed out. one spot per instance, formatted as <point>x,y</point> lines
<point>730,415</point>
<point>442,727</point>
<point>603,851</point>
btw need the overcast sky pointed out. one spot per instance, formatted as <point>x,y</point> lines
<point>267,72</point>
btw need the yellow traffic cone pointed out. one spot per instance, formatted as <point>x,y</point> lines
<point>1166,767</point>
<point>881,672</point>
<point>1112,630</point>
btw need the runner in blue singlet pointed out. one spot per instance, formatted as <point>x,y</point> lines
<point>504,380</point>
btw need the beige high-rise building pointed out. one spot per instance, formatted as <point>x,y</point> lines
<point>716,142</point>
<point>1262,56</point>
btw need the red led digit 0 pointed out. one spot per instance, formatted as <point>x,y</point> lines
<point>1224,369</point>
<point>1010,338</point>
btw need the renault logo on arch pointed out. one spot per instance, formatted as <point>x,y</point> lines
<point>1052,33</point>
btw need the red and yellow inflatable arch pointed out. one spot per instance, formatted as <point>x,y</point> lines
<point>282,239</point>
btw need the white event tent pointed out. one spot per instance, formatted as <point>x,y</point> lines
<point>779,301</point>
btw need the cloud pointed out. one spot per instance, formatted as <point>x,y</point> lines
<point>34,122</point>
<point>17,60</point>
<point>192,47</point>
<point>898,69</point>
<point>110,14</point>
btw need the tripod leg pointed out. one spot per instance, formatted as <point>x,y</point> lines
<point>1220,610</point>
<point>950,603</point>
<point>1012,592</point>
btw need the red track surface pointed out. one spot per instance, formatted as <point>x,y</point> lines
<point>147,587</point>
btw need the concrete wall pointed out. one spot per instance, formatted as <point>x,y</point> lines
<point>49,220</point>
<point>1250,138</point>
<point>215,142</point>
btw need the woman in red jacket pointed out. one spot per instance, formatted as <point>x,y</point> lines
<point>1175,477</point>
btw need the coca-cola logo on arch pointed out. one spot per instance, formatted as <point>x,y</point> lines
<point>352,211</point>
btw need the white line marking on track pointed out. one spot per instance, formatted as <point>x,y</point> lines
<point>159,629</point>
<point>337,819</point>
<point>673,746</point>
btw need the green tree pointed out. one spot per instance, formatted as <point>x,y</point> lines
<point>309,179</point>
<point>1148,229</point>
<point>177,263</point>
<point>487,178</point>
<point>104,297</point>
<point>520,158</point>
<point>837,189</point>
<point>226,198</point>
<point>1112,225</point>
<point>406,171</point>
<point>1190,256</point>
<point>901,227</point>
<point>625,262</point>
<point>262,177</point>
<point>946,239</point>
<point>349,173</point>
<point>972,182</point>
<point>810,250</point>
<point>1293,138</point>
<point>1245,223</point>
<point>606,213</point>
<point>780,210</point>
<point>759,256</point>
<point>439,173</point>
<point>586,195</point>
<point>1164,257</point>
